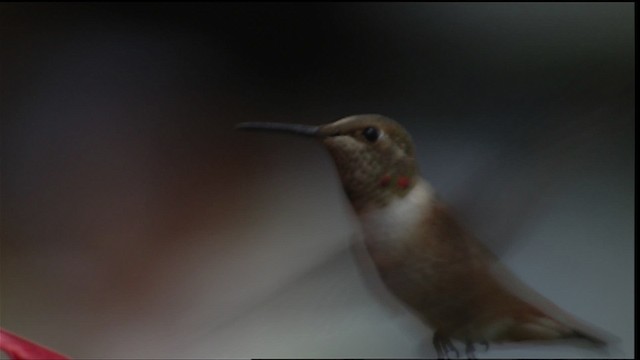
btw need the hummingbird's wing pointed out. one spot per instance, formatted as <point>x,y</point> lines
<point>478,299</point>
<point>542,318</point>
<point>463,292</point>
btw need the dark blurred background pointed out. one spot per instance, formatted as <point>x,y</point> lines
<point>137,223</point>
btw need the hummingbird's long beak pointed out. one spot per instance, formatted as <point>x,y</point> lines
<point>305,130</point>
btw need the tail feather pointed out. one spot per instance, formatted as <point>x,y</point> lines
<point>545,329</point>
<point>595,341</point>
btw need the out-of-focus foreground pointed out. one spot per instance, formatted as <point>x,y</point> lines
<point>137,223</point>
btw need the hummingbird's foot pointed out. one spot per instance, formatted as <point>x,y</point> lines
<point>444,346</point>
<point>486,345</point>
<point>470,350</point>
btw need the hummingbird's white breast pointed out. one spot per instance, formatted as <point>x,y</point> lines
<point>392,224</point>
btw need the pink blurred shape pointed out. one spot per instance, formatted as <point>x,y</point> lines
<point>21,349</point>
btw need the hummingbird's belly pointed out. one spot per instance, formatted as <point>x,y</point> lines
<point>443,305</point>
<point>439,290</point>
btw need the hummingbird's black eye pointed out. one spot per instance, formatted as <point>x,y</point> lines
<point>371,134</point>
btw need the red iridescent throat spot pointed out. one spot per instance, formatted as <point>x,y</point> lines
<point>403,182</point>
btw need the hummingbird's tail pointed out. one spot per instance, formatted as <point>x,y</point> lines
<point>544,328</point>
<point>594,340</point>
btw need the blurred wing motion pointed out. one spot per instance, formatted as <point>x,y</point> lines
<point>20,349</point>
<point>460,289</point>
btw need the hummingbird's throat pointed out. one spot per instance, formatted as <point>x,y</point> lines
<point>377,194</point>
<point>402,182</point>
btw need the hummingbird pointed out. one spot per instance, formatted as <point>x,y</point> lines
<point>422,254</point>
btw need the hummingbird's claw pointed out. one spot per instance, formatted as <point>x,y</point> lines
<point>486,345</point>
<point>470,350</point>
<point>444,346</point>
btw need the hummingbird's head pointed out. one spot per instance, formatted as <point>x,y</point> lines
<point>374,156</point>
